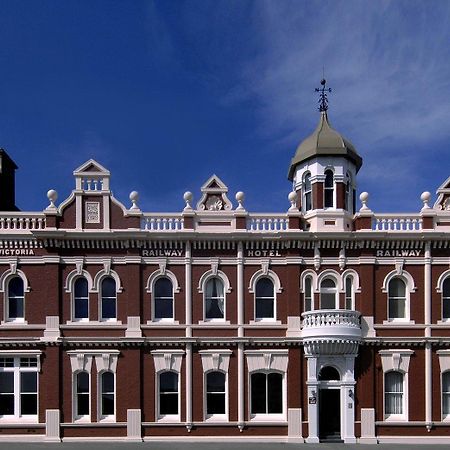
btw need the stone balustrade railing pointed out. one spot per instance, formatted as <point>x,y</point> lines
<point>267,222</point>
<point>22,221</point>
<point>397,222</point>
<point>331,318</point>
<point>164,222</point>
<point>92,184</point>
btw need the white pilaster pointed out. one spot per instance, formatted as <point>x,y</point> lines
<point>240,289</point>
<point>189,385</point>
<point>52,425</point>
<point>134,425</point>
<point>188,289</point>
<point>428,353</point>
<point>294,423</point>
<point>368,426</point>
<point>313,400</point>
<point>241,393</point>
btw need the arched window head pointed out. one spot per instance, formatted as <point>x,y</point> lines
<point>308,293</point>
<point>446,299</point>
<point>163,299</point>
<point>397,299</point>
<point>108,299</point>
<point>81,299</point>
<point>307,193</point>
<point>328,373</point>
<point>329,189</point>
<point>328,294</point>
<point>214,299</point>
<point>264,299</point>
<point>15,304</point>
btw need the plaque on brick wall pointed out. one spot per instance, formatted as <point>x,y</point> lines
<point>92,212</point>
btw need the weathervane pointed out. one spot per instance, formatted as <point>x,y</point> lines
<point>323,99</point>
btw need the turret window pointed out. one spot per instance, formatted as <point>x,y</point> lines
<point>329,189</point>
<point>307,192</point>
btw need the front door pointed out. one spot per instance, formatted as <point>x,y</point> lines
<point>329,414</point>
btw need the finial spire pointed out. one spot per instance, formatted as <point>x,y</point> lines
<point>323,99</point>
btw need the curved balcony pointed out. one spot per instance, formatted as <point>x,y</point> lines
<point>331,332</point>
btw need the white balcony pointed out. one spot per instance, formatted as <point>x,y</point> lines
<point>331,332</point>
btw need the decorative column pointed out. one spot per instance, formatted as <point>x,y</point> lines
<point>313,399</point>
<point>241,392</point>
<point>188,289</point>
<point>240,289</point>
<point>428,352</point>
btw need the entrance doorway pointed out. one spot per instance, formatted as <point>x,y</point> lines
<point>330,415</point>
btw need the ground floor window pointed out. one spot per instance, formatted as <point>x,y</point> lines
<point>107,395</point>
<point>82,395</point>
<point>393,393</point>
<point>266,393</point>
<point>215,394</point>
<point>446,395</point>
<point>168,394</point>
<point>19,387</point>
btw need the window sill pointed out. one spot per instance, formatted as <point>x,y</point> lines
<point>168,419</point>
<point>14,322</point>
<point>444,322</point>
<point>217,418</point>
<point>84,419</point>
<point>399,322</point>
<point>162,322</point>
<point>214,322</point>
<point>263,322</point>
<point>91,323</point>
<point>396,418</point>
<point>267,418</point>
<point>107,419</point>
<point>19,420</point>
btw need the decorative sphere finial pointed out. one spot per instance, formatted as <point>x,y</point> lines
<point>52,196</point>
<point>364,196</point>
<point>425,197</point>
<point>240,196</point>
<point>292,197</point>
<point>134,197</point>
<point>187,197</point>
<point>323,82</point>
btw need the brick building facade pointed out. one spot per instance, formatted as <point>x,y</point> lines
<point>327,322</point>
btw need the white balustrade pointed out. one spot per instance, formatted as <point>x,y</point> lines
<point>267,222</point>
<point>398,222</point>
<point>331,318</point>
<point>21,221</point>
<point>92,183</point>
<point>163,223</point>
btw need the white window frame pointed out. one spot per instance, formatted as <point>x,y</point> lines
<point>214,319</point>
<point>80,319</point>
<point>334,291</point>
<point>445,417</point>
<point>168,417</point>
<point>440,289</point>
<point>150,288</point>
<point>5,278</point>
<point>78,417</point>
<point>264,417</point>
<point>214,417</point>
<point>70,289</point>
<point>404,415</point>
<point>214,273</point>
<point>8,318</point>
<point>100,301</point>
<point>333,189</point>
<point>17,370</point>
<point>305,192</point>
<point>349,278</point>
<point>105,417</point>
<point>410,288</point>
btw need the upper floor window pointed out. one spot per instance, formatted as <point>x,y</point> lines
<point>266,393</point>
<point>349,194</point>
<point>446,395</point>
<point>215,394</point>
<point>81,299</point>
<point>168,396</point>
<point>265,299</point>
<point>107,395</point>
<point>349,293</point>
<point>109,300</point>
<point>329,189</point>
<point>394,391</point>
<point>163,299</point>
<point>446,299</point>
<point>328,294</point>
<point>19,387</point>
<point>397,299</point>
<point>214,299</point>
<point>82,395</point>
<point>308,294</point>
<point>15,305</point>
<point>307,192</point>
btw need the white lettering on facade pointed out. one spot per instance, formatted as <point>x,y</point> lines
<point>16,252</point>
<point>264,253</point>
<point>161,252</point>
<point>401,253</point>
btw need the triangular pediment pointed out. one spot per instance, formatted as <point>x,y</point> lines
<point>92,167</point>
<point>214,183</point>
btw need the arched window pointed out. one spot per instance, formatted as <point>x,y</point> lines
<point>15,305</point>
<point>328,294</point>
<point>307,192</point>
<point>266,393</point>
<point>81,299</point>
<point>168,394</point>
<point>397,299</point>
<point>329,189</point>
<point>163,299</point>
<point>214,299</point>
<point>446,299</point>
<point>393,393</point>
<point>215,393</point>
<point>82,395</point>
<point>349,293</point>
<point>109,299</point>
<point>446,395</point>
<point>264,299</point>
<point>107,394</point>
<point>308,294</point>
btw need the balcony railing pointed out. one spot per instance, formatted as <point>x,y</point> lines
<point>397,222</point>
<point>12,221</point>
<point>331,331</point>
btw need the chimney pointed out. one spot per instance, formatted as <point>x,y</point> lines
<point>7,182</point>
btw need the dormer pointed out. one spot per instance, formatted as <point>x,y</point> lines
<point>323,172</point>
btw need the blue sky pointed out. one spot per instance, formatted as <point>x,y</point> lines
<point>165,93</point>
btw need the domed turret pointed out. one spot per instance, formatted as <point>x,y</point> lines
<point>323,171</point>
